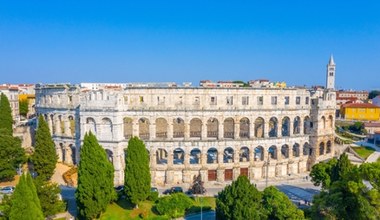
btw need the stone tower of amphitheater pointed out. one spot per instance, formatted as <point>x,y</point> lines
<point>217,133</point>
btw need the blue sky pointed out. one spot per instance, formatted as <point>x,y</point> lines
<point>187,41</point>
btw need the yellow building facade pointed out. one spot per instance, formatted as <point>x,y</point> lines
<point>360,111</point>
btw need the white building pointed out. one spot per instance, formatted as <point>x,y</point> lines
<point>218,133</point>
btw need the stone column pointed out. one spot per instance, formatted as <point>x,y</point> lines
<point>221,131</point>
<point>237,155</point>
<point>153,161</point>
<point>50,123</point>
<point>266,129</point>
<point>251,130</point>
<point>170,158</point>
<point>204,159</point>
<point>251,156</point>
<point>279,129</point>
<point>204,131</point>
<point>220,158</point>
<point>57,127</point>
<point>187,131</point>
<point>237,130</point>
<point>170,129</point>
<point>204,175</point>
<point>67,128</point>
<point>135,129</point>
<point>69,155</point>
<point>301,126</point>
<point>152,131</point>
<point>59,153</point>
<point>186,160</point>
<point>291,128</point>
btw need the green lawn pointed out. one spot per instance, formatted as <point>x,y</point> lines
<point>123,210</point>
<point>364,152</point>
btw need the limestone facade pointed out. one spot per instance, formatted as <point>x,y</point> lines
<point>218,133</point>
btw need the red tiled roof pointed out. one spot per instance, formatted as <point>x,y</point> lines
<point>360,105</point>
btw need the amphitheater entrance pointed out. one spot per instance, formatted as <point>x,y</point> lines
<point>212,175</point>
<point>228,174</point>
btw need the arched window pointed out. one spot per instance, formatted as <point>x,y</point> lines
<point>195,128</point>
<point>259,128</point>
<point>244,128</point>
<point>161,128</point>
<point>273,124</point>
<point>229,128</point>
<point>285,128</point>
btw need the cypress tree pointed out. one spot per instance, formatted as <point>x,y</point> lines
<point>25,202</point>
<point>6,120</point>
<point>45,156</point>
<point>137,174</point>
<point>11,156</point>
<point>95,179</point>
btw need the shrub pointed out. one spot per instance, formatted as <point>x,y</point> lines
<point>174,205</point>
<point>153,196</point>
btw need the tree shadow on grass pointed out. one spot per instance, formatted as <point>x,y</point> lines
<point>123,203</point>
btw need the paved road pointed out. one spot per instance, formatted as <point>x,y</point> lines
<point>68,194</point>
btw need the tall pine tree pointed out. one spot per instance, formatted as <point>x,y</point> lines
<point>25,202</point>
<point>6,120</point>
<point>137,173</point>
<point>45,156</point>
<point>95,179</point>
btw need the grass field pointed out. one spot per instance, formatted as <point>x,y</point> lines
<point>364,152</point>
<point>124,210</point>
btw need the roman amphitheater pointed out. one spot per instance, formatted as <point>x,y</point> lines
<point>218,133</point>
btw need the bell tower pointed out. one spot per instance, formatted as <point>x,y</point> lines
<point>330,78</point>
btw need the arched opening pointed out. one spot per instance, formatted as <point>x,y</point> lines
<point>212,156</point>
<point>244,128</point>
<point>296,125</point>
<point>273,124</point>
<point>229,128</point>
<point>195,156</point>
<point>272,151</point>
<point>144,128</point>
<point>161,156</point>
<point>178,156</point>
<point>91,125</point>
<point>328,147</point>
<point>285,127</point>
<point>109,155</point>
<point>306,125</point>
<point>321,148</point>
<point>296,150</point>
<point>161,128</point>
<point>244,154</point>
<point>307,150</point>
<point>228,155</point>
<point>212,128</point>
<point>285,151</point>
<point>178,128</point>
<point>106,129</point>
<point>195,128</point>
<point>259,153</point>
<point>259,127</point>
<point>128,127</point>
<point>323,121</point>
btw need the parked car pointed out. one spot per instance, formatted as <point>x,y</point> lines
<point>153,189</point>
<point>174,189</point>
<point>119,188</point>
<point>7,190</point>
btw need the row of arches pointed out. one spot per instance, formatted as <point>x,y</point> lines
<point>61,124</point>
<point>244,154</point>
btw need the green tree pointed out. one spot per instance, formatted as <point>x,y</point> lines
<point>95,179</point>
<point>44,157</point>
<point>346,197</point>
<point>23,107</point>
<point>174,206</point>
<point>137,172</point>
<point>240,200</point>
<point>373,94</point>
<point>11,156</point>
<point>6,120</point>
<point>25,202</point>
<point>278,206</point>
<point>48,194</point>
<point>321,173</point>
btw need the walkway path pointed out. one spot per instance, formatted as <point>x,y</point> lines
<point>58,172</point>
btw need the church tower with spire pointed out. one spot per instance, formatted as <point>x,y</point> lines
<point>330,79</point>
